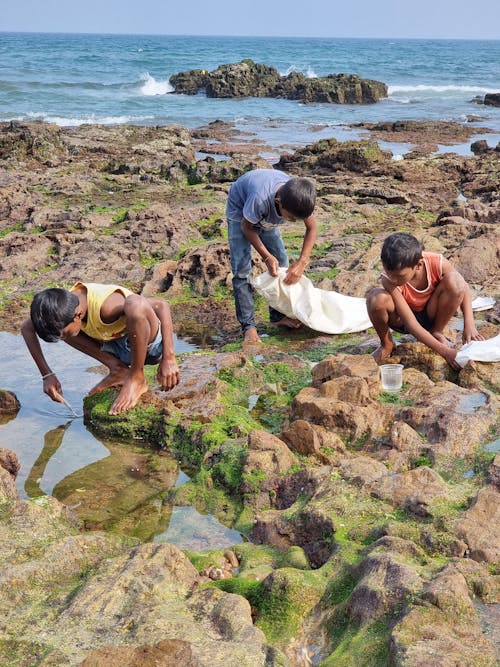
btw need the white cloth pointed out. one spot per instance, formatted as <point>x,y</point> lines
<point>479,350</point>
<point>482,303</point>
<point>321,310</point>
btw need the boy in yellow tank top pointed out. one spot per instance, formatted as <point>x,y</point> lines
<point>111,324</point>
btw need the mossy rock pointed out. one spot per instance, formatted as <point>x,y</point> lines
<point>295,557</point>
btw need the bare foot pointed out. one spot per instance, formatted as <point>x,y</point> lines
<point>287,323</point>
<point>114,379</point>
<point>381,353</point>
<point>129,395</point>
<point>251,337</point>
<point>442,338</point>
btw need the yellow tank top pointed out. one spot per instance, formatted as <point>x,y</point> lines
<point>94,326</point>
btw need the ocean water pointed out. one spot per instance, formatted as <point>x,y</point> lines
<point>79,78</point>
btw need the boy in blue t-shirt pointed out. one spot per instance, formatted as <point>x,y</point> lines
<point>258,203</point>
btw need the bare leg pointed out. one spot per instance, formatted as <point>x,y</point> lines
<point>118,371</point>
<point>382,313</point>
<point>142,325</point>
<point>444,303</point>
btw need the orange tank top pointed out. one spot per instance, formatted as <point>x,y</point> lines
<point>416,298</point>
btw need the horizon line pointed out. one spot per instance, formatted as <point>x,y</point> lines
<point>158,34</point>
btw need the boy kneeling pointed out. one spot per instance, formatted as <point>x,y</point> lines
<point>118,328</point>
<point>420,293</point>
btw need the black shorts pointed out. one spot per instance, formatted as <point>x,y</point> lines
<point>422,318</point>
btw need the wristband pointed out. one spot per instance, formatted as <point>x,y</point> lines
<point>47,375</point>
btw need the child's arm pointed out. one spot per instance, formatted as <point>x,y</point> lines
<point>51,385</point>
<point>249,232</point>
<point>411,324</point>
<point>469,332</point>
<point>296,270</point>
<point>168,371</point>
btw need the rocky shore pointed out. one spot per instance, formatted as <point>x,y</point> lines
<point>372,519</point>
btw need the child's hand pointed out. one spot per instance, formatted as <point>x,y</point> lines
<point>168,373</point>
<point>294,273</point>
<point>272,265</point>
<point>471,333</point>
<point>52,387</point>
<point>450,355</point>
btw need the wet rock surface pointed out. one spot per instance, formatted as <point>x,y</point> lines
<point>372,518</point>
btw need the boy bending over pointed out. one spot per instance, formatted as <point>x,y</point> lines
<point>120,329</point>
<point>259,202</point>
<point>420,293</point>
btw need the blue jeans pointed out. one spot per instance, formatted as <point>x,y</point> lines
<point>241,265</point>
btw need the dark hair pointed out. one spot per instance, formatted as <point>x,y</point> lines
<point>298,197</point>
<point>51,310</point>
<point>401,251</point>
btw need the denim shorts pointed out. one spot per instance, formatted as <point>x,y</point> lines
<point>120,347</point>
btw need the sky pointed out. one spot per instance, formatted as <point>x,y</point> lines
<point>446,19</point>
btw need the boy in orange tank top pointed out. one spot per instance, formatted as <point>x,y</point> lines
<point>420,293</point>
<point>120,329</point>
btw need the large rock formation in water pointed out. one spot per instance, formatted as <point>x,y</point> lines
<point>249,79</point>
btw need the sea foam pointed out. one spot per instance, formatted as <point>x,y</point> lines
<point>88,119</point>
<point>153,87</point>
<point>423,88</point>
<point>310,73</point>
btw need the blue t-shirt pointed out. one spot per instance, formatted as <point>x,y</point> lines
<point>252,197</point>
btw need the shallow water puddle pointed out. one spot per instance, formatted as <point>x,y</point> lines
<point>188,529</point>
<point>493,446</point>
<point>108,484</point>
<point>471,402</point>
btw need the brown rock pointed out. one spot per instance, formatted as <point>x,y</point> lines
<point>480,527</point>
<point>9,467</point>
<point>356,424</point>
<point>9,461</point>
<point>232,558</point>
<point>161,278</point>
<point>405,439</point>
<point>484,272</point>
<point>386,581</point>
<point>414,490</point>
<point>452,420</point>
<point>493,473</point>
<point>205,269</point>
<point>309,439</point>
<point>446,632</point>
<point>314,532</point>
<point>166,653</point>
<point>348,389</point>
<point>8,489</point>
<point>268,454</point>
<point>351,365</point>
<point>479,375</point>
<point>363,470</point>
<point>420,357</point>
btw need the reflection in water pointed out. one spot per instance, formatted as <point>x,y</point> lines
<point>121,492</point>
<point>6,418</point>
<point>108,485</point>
<point>53,440</point>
